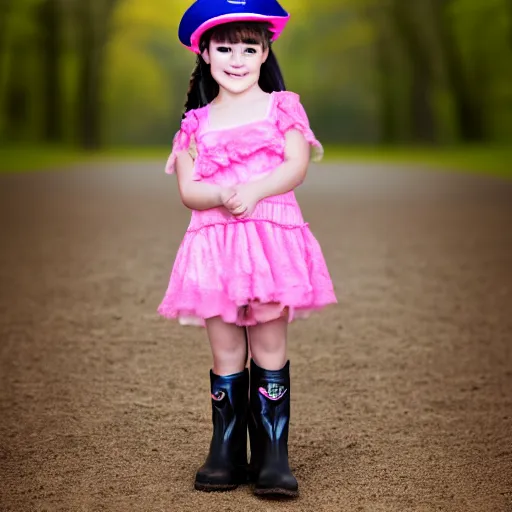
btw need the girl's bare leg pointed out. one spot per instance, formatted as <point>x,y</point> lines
<point>268,343</point>
<point>227,342</point>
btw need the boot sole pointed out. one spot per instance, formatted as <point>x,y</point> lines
<point>214,487</point>
<point>276,493</point>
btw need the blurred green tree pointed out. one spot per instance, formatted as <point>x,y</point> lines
<point>51,22</point>
<point>94,28</point>
<point>390,71</point>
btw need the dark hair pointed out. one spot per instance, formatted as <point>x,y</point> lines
<point>203,88</point>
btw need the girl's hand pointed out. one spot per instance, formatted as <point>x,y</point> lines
<point>246,197</point>
<point>229,201</point>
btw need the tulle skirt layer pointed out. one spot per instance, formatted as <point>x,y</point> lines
<point>246,273</point>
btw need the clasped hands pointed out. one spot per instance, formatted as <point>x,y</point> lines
<point>240,200</point>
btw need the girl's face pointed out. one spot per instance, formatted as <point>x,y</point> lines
<point>235,66</point>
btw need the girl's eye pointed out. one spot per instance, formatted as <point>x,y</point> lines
<point>251,51</point>
<point>223,49</point>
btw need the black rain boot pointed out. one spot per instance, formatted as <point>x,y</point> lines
<point>256,453</point>
<point>269,420</point>
<point>226,465</point>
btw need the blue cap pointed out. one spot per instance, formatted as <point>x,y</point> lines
<point>203,15</point>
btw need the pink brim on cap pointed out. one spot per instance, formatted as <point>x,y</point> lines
<point>277,26</point>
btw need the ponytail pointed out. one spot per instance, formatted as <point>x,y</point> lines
<point>203,88</point>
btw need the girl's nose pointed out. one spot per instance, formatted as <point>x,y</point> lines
<point>236,59</point>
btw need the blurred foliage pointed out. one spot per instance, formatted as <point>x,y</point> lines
<point>112,72</point>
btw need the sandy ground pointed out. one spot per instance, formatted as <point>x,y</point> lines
<point>402,393</point>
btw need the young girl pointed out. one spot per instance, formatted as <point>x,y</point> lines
<point>248,264</point>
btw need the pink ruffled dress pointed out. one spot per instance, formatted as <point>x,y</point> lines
<point>251,270</point>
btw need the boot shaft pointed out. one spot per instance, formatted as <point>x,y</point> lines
<point>269,414</point>
<point>270,400</point>
<point>229,396</point>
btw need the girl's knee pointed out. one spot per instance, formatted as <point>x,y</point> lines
<point>269,346</point>
<point>269,337</point>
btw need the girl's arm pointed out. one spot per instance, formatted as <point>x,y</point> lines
<point>194,194</point>
<point>291,173</point>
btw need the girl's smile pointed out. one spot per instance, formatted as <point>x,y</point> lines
<point>236,75</point>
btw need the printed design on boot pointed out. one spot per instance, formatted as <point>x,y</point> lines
<point>273,391</point>
<point>218,396</point>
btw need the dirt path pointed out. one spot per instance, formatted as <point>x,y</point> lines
<point>402,394</point>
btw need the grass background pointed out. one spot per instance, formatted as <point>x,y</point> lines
<point>496,161</point>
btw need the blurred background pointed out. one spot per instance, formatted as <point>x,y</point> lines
<point>105,75</point>
<point>402,391</point>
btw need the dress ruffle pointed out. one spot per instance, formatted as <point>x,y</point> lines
<point>217,153</point>
<point>183,139</point>
<point>223,267</point>
<point>292,116</point>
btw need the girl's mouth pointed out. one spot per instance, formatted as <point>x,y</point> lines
<point>236,76</point>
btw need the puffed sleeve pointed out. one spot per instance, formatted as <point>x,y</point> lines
<point>184,140</point>
<point>292,116</point>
